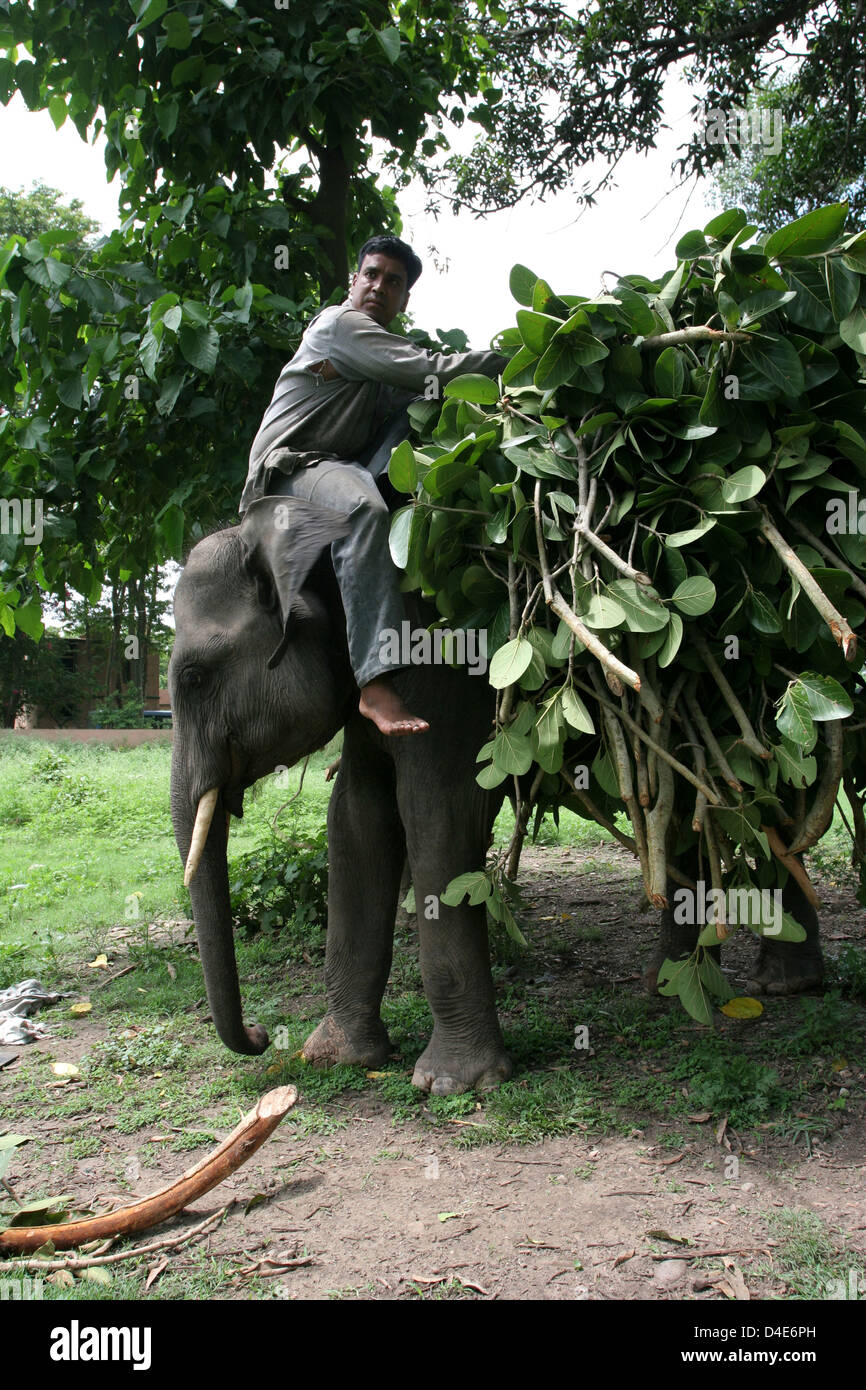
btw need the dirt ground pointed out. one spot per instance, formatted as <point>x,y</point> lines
<point>378,1211</point>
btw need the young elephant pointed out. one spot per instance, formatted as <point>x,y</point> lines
<point>260,677</point>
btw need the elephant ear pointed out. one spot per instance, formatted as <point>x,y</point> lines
<point>282,538</point>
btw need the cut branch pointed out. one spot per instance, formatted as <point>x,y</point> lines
<point>651,743</point>
<point>160,1206</point>
<point>701,333</point>
<point>838,625</point>
<point>791,863</point>
<point>820,815</point>
<point>558,605</point>
<point>625,840</point>
<point>750,738</point>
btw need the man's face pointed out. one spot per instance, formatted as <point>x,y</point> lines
<point>380,288</point>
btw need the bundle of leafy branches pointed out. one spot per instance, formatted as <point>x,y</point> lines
<point>656,517</point>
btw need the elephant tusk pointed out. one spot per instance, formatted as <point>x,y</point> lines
<point>203,818</point>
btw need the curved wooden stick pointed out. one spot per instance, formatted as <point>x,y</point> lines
<point>160,1206</point>
<point>791,863</point>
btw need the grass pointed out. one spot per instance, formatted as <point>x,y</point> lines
<point>809,1258</point>
<point>87,848</point>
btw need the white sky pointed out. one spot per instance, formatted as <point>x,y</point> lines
<point>632,228</point>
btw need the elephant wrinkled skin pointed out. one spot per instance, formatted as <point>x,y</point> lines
<point>236,720</point>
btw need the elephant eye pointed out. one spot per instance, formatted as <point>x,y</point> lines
<point>192,677</point>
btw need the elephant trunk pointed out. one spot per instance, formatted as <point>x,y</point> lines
<point>211,907</point>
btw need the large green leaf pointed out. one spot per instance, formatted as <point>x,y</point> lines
<point>510,662</point>
<point>815,232</point>
<point>695,596</point>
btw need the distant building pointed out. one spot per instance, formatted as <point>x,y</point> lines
<point>82,657</point>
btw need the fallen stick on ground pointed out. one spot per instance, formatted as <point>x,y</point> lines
<point>160,1206</point>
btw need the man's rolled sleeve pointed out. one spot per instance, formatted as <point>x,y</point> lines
<point>362,351</point>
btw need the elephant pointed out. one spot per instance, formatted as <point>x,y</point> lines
<point>260,677</point>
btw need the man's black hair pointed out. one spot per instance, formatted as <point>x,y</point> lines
<point>395,248</point>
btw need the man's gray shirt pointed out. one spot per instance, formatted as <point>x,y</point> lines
<point>310,419</point>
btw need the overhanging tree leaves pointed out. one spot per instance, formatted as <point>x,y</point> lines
<point>658,522</point>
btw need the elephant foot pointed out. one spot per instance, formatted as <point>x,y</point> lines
<point>366,1045</point>
<point>786,968</point>
<point>446,1071</point>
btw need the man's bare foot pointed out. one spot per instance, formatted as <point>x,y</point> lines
<point>381,703</point>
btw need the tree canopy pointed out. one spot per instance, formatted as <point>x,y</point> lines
<point>134,376</point>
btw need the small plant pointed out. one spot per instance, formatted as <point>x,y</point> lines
<point>731,1083</point>
<point>139,1049</point>
<point>848,971</point>
<point>273,886</point>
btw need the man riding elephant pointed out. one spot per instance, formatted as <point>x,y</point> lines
<point>338,410</point>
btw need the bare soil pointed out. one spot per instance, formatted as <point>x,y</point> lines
<point>378,1210</point>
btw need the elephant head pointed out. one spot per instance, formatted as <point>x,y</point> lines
<point>259,677</point>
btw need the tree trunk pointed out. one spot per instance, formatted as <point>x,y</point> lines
<point>330,211</point>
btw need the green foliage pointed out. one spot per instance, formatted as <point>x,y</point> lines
<point>156,1048</point>
<point>282,884</point>
<point>848,970</point>
<point>730,1083</point>
<point>711,459</point>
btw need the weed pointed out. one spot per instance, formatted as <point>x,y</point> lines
<point>139,1049</point>
<point>807,1257</point>
<point>847,971</point>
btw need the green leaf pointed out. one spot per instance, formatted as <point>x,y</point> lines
<point>852,329</point>
<point>403,470</point>
<point>200,346</point>
<point>809,235</point>
<point>477,885</point>
<point>536,330</point>
<point>576,712</point>
<point>826,697</point>
<point>603,612</point>
<point>57,110</point>
<point>643,612</point>
<point>745,483</point>
<point>522,283</point>
<point>389,42</point>
<point>794,718</point>
<point>669,372</point>
<point>398,538</point>
<point>673,638</point>
<point>683,978</point>
<point>170,522</point>
<point>694,533</point>
<point>473,387</point>
<point>775,358</point>
<point>512,751</point>
<point>510,662</point>
<point>177,30</point>
<point>793,767</point>
<point>691,246</point>
<point>695,596</point>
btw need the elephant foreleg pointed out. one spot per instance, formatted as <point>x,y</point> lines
<point>366,854</point>
<point>447,831</point>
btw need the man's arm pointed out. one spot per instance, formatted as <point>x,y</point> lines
<point>362,351</point>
